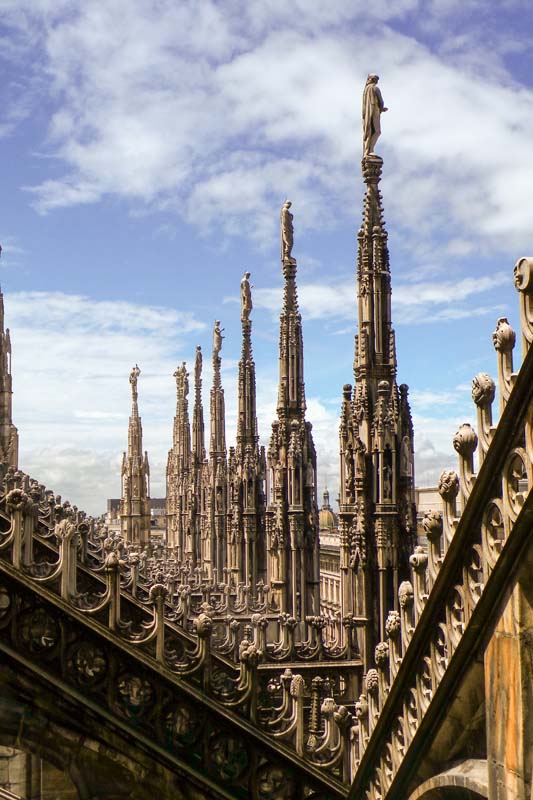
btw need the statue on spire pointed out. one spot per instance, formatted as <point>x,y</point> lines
<point>134,375</point>
<point>246,297</point>
<point>217,337</point>
<point>287,233</point>
<point>198,364</point>
<point>373,107</point>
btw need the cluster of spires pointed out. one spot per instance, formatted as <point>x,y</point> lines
<point>244,517</point>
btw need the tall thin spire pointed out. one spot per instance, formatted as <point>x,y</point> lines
<point>8,433</point>
<point>214,556</point>
<point>135,502</point>
<point>198,484</point>
<point>376,435</point>
<point>246,554</point>
<point>292,513</point>
<point>179,465</point>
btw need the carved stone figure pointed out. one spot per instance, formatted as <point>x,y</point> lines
<point>405,458</point>
<point>246,297</point>
<point>198,363</point>
<point>217,337</point>
<point>373,107</point>
<point>134,375</point>
<point>287,233</point>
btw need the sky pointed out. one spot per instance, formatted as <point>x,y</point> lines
<point>146,148</point>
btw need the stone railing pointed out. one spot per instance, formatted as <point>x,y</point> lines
<point>56,557</point>
<point>450,596</point>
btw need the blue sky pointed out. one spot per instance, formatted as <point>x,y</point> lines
<point>146,150</point>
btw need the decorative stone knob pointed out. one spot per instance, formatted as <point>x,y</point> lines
<point>393,624</point>
<point>449,485</point>
<point>419,559</point>
<point>372,681</point>
<point>204,625</point>
<point>381,655</point>
<point>523,274</point>
<point>432,524</point>
<point>483,390</point>
<point>406,594</point>
<point>504,337</point>
<point>158,591</point>
<point>361,707</point>
<point>465,440</point>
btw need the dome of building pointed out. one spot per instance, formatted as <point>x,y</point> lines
<point>326,517</point>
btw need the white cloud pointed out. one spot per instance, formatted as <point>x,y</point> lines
<point>225,112</point>
<point>71,357</point>
<point>412,302</point>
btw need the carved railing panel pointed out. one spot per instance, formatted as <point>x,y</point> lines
<point>465,565</point>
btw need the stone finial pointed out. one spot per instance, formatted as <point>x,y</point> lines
<point>523,274</point>
<point>432,524</point>
<point>465,440</point>
<point>504,337</point>
<point>483,390</point>
<point>449,485</point>
<point>406,594</point>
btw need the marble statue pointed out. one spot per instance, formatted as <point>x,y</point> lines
<point>287,233</point>
<point>198,364</point>
<point>373,107</point>
<point>134,375</point>
<point>217,337</point>
<point>246,297</point>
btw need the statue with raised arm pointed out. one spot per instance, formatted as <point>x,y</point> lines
<point>217,337</point>
<point>287,233</point>
<point>373,107</point>
<point>134,375</point>
<point>246,297</point>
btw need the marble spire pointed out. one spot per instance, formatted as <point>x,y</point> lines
<point>135,501</point>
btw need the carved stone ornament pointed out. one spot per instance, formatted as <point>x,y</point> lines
<point>381,655</point>
<point>393,624</point>
<point>432,524</point>
<point>38,631</point>
<point>504,337</point>
<point>406,594</point>
<point>228,756</point>
<point>523,274</point>
<point>88,662</point>
<point>372,681</point>
<point>274,783</point>
<point>448,485</point>
<point>134,695</point>
<point>483,389</point>
<point>465,440</point>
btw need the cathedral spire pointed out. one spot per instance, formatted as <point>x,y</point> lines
<point>217,444</point>
<point>376,520</point>
<point>8,432</point>
<point>179,464</point>
<point>135,502</point>
<point>198,430</point>
<point>214,541</point>
<point>247,431</point>
<point>292,512</point>
<point>246,554</point>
